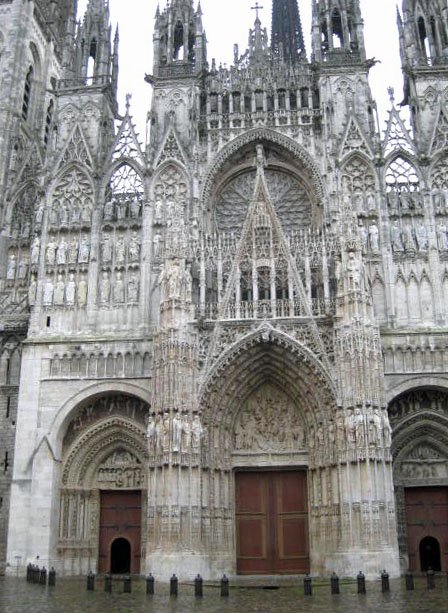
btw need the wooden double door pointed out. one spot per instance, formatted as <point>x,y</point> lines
<point>272,522</point>
<point>120,532</point>
<point>427,527</point>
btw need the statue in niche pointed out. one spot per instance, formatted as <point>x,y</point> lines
<point>82,292</point>
<point>363,236</point>
<point>165,432</point>
<point>35,251</point>
<point>176,432</point>
<point>422,237</point>
<point>108,212</point>
<point>135,208</point>
<point>32,290</point>
<point>59,291</point>
<point>121,210</point>
<point>158,211</point>
<point>63,216</point>
<point>374,236</point>
<point>387,432</point>
<point>73,251</point>
<point>70,290</point>
<point>85,214</point>
<point>157,245</point>
<point>197,433</point>
<point>26,229</point>
<point>186,433</point>
<point>359,428</point>
<point>106,249</point>
<point>118,288</point>
<point>442,238</point>
<point>75,213</point>
<point>133,287</point>
<point>354,269</point>
<point>39,216</point>
<point>22,269</point>
<point>397,241</point>
<point>340,432</point>
<point>104,288</point>
<point>84,251</point>
<point>48,292</point>
<point>134,248</point>
<point>51,253</point>
<point>11,267</point>
<point>375,429</point>
<point>152,432</point>
<point>61,252</point>
<point>350,424</point>
<point>408,238</point>
<point>120,251</point>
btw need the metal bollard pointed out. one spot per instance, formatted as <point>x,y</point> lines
<point>224,586</point>
<point>35,574</point>
<point>174,583</point>
<point>361,580</point>
<point>90,582</point>
<point>385,584</point>
<point>150,585</point>
<point>28,571</point>
<point>335,584</point>
<point>308,586</point>
<point>52,577</point>
<point>430,579</point>
<point>108,584</point>
<point>409,581</point>
<point>43,576</point>
<point>127,585</point>
<point>198,591</point>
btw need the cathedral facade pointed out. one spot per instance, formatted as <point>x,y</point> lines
<point>226,350</point>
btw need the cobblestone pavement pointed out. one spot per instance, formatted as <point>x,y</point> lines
<point>70,596</point>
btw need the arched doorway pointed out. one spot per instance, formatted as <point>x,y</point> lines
<point>430,554</point>
<point>120,557</point>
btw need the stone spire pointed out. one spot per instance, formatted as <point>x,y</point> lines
<point>287,35</point>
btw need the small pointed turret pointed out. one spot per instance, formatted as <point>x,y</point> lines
<point>337,31</point>
<point>287,35</point>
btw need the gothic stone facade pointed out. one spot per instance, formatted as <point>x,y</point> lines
<point>256,297</point>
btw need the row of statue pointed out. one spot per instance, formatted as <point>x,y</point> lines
<point>176,282</point>
<point>178,433</point>
<point>408,238</point>
<point>404,200</point>
<point>17,267</point>
<point>62,253</point>
<point>119,291</point>
<point>120,249</point>
<point>63,216</point>
<point>62,292</point>
<point>370,237</point>
<point>119,210</point>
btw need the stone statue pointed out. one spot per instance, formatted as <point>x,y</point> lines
<point>186,433</point>
<point>22,269</point>
<point>32,291</point>
<point>151,432</point>
<point>354,271</point>
<point>106,249</point>
<point>374,238</point>
<point>82,292</point>
<point>70,290</point>
<point>35,251</point>
<point>422,237</point>
<point>197,432</point>
<point>59,291</point>
<point>359,428</point>
<point>408,238</point>
<point>63,216</point>
<point>157,247</point>
<point>51,253</point>
<point>84,251</point>
<point>134,248</point>
<point>363,236</point>
<point>442,239</point>
<point>86,214</point>
<point>39,216</point>
<point>397,241</point>
<point>61,252</point>
<point>75,214</point>
<point>176,432</point>
<point>158,211</point>
<point>73,251</point>
<point>104,288</point>
<point>120,251</point>
<point>108,213</point>
<point>118,288</point>
<point>48,292</point>
<point>135,208</point>
<point>11,267</point>
<point>133,287</point>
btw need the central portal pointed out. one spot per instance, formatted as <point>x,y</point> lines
<point>272,522</point>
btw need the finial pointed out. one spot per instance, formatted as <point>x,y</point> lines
<point>128,103</point>
<point>256,8</point>
<point>391,92</point>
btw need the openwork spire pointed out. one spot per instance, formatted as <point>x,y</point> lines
<point>287,36</point>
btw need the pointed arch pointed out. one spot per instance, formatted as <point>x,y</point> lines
<point>124,191</point>
<point>72,195</point>
<point>402,176</point>
<point>358,181</point>
<point>19,215</point>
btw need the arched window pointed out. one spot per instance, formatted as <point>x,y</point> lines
<point>91,61</point>
<point>124,194</point>
<point>423,37</point>
<point>402,177</point>
<point>338,32</point>
<point>178,42</point>
<point>27,93</point>
<point>48,120</point>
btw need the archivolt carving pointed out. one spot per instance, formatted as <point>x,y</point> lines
<point>256,135</point>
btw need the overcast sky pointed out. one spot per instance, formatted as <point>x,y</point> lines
<point>227,22</point>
